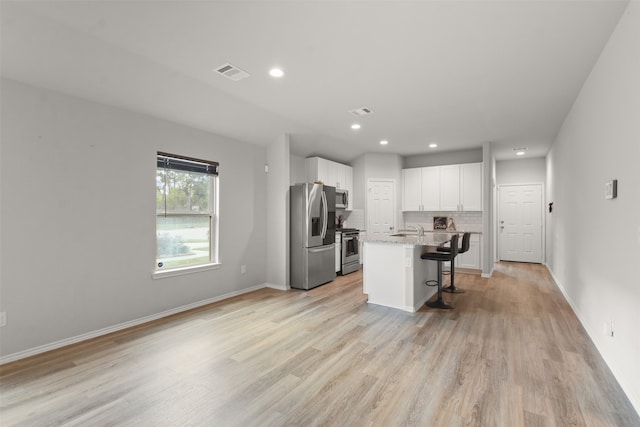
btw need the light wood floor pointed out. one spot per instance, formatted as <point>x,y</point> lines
<point>512,353</point>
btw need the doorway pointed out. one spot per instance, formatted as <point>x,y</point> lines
<point>520,225</point>
<point>381,207</point>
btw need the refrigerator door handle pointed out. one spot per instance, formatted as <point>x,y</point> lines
<point>325,214</point>
<point>326,248</point>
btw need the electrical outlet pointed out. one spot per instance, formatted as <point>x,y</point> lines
<point>243,269</point>
<point>3,319</point>
<point>608,328</point>
<point>611,328</point>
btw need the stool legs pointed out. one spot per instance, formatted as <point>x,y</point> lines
<point>439,303</point>
<point>452,287</point>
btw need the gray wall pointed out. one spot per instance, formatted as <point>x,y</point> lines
<point>377,166</point>
<point>521,171</point>
<point>593,244</point>
<point>277,252</point>
<point>437,159</point>
<point>298,171</point>
<point>78,216</point>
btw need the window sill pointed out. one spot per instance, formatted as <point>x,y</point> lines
<point>184,270</point>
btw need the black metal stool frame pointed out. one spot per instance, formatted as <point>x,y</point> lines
<point>441,257</point>
<point>466,237</point>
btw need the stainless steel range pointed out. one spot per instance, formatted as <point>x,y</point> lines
<point>350,250</point>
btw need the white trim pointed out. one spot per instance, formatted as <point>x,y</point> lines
<point>277,287</point>
<point>543,222</point>
<point>423,301</point>
<point>162,274</point>
<point>626,388</point>
<point>488,276</point>
<point>115,328</point>
<point>396,307</point>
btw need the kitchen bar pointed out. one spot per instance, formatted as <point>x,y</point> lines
<point>395,275</point>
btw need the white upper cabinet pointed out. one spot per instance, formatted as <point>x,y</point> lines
<point>421,189</point>
<point>450,188</point>
<point>332,174</point>
<point>412,189</point>
<point>442,188</point>
<point>431,184</point>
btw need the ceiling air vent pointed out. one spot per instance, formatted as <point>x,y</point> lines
<point>361,111</point>
<point>232,72</point>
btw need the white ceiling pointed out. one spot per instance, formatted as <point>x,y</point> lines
<point>457,73</point>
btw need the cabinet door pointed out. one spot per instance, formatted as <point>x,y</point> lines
<point>471,258</point>
<point>348,179</point>
<point>411,189</point>
<point>340,176</point>
<point>325,171</point>
<point>450,188</point>
<point>471,186</point>
<point>431,188</point>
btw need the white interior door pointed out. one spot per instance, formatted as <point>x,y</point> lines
<point>381,206</point>
<point>520,223</point>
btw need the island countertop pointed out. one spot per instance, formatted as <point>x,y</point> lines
<point>429,239</point>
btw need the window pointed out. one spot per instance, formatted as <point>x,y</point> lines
<point>186,212</point>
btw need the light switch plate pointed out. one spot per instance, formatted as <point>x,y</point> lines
<point>611,189</point>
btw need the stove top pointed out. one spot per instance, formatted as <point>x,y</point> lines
<point>349,230</point>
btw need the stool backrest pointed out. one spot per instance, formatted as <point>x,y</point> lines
<point>454,246</point>
<point>466,238</point>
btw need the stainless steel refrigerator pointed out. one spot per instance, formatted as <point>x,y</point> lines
<point>313,228</point>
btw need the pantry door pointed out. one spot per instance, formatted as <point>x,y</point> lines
<point>520,223</point>
<point>381,206</point>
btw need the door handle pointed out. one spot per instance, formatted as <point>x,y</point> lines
<point>325,215</point>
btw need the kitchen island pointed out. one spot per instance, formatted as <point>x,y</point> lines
<point>394,274</point>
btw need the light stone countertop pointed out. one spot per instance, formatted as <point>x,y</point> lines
<point>429,239</point>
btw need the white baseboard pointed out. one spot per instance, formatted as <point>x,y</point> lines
<point>277,287</point>
<point>89,335</point>
<point>635,400</point>
<point>423,301</point>
<point>488,275</point>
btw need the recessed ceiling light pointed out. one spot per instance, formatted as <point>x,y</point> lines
<point>520,151</point>
<point>276,72</point>
<point>433,145</point>
<point>384,142</point>
<point>355,126</point>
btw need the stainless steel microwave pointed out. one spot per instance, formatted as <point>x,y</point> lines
<point>342,199</point>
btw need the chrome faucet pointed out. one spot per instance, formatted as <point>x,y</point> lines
<point>419,229</point>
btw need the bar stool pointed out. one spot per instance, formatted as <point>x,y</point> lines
<point>441,257</point>
<point>466,237</point>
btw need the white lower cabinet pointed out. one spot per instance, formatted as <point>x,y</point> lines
<point>470,259</point>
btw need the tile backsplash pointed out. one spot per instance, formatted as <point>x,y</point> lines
<point>353,218</point>
<point>464,221</point>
